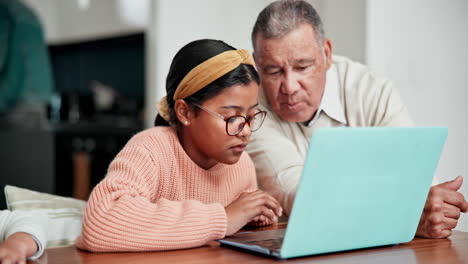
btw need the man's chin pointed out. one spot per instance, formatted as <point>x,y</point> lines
<point>297,117</point>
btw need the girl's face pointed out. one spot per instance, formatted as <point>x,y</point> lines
<point>205,137</point>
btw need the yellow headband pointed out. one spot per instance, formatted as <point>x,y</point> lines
<point>205,73</point>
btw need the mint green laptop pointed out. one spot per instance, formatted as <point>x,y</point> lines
<point>360,188</point>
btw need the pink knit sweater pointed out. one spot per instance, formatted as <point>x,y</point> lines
<point>155,197</point>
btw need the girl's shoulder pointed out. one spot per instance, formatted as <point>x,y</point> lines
<point>155,138</point>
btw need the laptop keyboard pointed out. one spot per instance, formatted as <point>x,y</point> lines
<point>272,244</point>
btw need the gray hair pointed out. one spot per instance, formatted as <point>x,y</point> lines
<point>281,17</point>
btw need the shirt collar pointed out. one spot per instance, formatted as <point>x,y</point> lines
<point>331,102</point>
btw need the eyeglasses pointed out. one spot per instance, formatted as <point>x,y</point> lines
<point>235,124</point>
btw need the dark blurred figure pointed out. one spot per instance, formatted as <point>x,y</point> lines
<point>25,72</point>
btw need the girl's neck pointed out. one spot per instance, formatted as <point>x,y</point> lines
<point>194,154</point>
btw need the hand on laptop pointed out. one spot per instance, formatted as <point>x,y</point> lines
<point>250,206</point>
<point>442,210</point>
<point>262,220</point>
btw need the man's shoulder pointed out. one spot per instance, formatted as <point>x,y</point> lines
<point>369,98</point>
<point>355,77</point>
<point>352,68</point>
<point>339,59</point>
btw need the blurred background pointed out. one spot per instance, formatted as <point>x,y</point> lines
<point>95,70</point>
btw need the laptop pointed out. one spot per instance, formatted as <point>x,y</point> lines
<point>360,188</point>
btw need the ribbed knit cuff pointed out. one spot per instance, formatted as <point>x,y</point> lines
<point>219,222</point>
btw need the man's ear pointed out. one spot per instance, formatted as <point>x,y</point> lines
<point>184,112</point>
<point>327,48</point>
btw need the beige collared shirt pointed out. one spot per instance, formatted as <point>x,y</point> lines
<point>354,96</point>
<point>330,104</point>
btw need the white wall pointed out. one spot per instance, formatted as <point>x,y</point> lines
<point>345,24</point>
<point>423,46</point>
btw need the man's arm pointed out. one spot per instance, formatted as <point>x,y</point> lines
<point>442,210</point>
<point>390,110</point>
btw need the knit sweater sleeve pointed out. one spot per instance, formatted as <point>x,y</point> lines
<point>123,214</point>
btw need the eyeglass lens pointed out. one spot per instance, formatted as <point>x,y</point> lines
<point>236,123</point>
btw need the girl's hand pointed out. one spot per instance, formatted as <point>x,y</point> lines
<point>261,221</point>
<point>249,206</point>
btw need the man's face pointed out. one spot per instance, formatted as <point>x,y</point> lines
<point>293,72</point>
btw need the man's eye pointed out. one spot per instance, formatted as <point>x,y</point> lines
<point>273,72</point>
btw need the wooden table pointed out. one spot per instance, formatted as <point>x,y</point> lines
<point>451,250</point>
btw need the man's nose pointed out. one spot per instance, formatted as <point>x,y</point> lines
<point>290,84</point>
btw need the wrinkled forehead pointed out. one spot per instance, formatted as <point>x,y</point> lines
<point>294,46</point>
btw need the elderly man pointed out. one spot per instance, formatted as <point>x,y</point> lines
<point>305,88</point>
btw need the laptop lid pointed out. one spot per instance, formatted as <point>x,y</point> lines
<point>362,187</point>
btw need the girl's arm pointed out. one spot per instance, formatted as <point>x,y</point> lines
<point>122,214</point>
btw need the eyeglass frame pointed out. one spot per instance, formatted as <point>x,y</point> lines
<point>247,119</point>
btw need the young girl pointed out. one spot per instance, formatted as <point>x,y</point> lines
<point>183,185</point>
